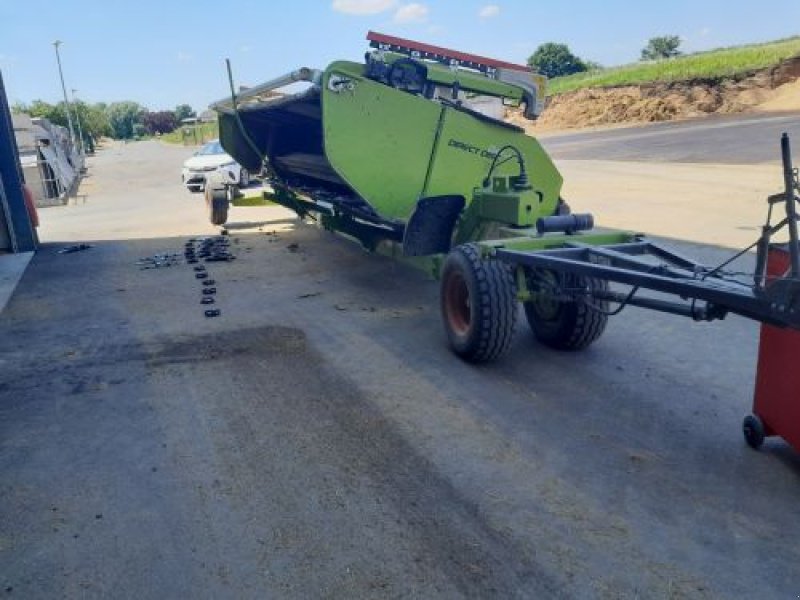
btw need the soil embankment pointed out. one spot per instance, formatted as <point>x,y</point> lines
<point>773,89</point>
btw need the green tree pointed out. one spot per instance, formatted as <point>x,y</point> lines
<point>122,117</point>
<point>556,60</point>
<point>139,130</point>
<point>55,113</point>
<point>665,46</point>
<point>162,121</point>
<point>184,111</point>
<point>93,122</point>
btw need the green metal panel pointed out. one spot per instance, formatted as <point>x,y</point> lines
<point>384,144</point>
<point>464,155</point>
<point>377,139</point>
<point>558,240</point>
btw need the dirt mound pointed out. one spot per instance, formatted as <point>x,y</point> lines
<point>775,88</point>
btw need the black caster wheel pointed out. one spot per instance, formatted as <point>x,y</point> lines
<point>753,430</point>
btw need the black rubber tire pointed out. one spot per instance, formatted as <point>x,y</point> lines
<point>753,430</point>
<point>478,304</point>
<point>563,325</point>
<point>217,202</point>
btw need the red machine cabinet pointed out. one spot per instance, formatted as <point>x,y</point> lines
<point>776,402</point>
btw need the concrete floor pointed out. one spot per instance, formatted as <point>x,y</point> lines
<point>318,439</point>
<point>12,267</point>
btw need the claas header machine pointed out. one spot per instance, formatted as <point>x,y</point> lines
<point>408,150</point>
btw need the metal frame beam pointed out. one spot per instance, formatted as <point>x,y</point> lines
<point>682,278</point>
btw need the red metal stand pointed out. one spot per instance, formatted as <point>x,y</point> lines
<point>776,403</point>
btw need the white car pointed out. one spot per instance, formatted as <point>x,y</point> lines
<point>212,157</point>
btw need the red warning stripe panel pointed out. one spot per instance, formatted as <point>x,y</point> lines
<point>463,57</point>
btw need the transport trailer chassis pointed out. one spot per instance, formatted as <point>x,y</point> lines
<point>563,282</point>
<point>644,264</point>
<point>709,294</point>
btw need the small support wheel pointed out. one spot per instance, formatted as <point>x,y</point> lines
<point>753,429</point>
<point>217,201</point>
<point>565,324</point>
<point>478,303</point>
<point>244,178</point>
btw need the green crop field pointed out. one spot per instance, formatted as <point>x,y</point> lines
<point>192,135</point>
<point>714,64</point>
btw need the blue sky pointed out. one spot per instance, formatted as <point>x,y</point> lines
<point>162,53</point>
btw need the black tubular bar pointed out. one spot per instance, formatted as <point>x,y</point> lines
<point>791,209</point>
<point>682,309</point>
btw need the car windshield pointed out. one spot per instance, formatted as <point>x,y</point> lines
<point>211,148</point>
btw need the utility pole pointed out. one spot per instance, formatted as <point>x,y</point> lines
<point>78,121</point>
<point>57,43</point>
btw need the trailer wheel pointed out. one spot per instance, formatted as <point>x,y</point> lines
<point>566,325</point>
<point>217,202</point>
<point>753,430</point>
<point>478,303</point>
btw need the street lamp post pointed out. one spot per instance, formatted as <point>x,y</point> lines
<point>57,43</point>
<point>78,121</point>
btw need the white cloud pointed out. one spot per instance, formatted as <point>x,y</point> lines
<point>184,56</point>
<point>363,7</point>
<point>411,13</point>
<point>705,31</point>
<point>489,11</point>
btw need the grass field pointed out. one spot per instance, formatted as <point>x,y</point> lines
<point>204,132</point>
<point>714,64</point>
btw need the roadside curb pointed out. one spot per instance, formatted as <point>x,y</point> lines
<point>12,268</point>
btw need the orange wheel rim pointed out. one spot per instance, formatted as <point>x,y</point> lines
<point>457,304</point>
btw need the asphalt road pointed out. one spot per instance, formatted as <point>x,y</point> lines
<point>724,140</point>
<point>318,439</point>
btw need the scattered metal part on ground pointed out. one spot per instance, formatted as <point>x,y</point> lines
<point>209,249</point>
<point>158,261</point>
<point>75,248</point>
<point>309,295</point>
<point>220,258</point>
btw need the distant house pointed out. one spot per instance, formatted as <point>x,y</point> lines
<point>207,116</point>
